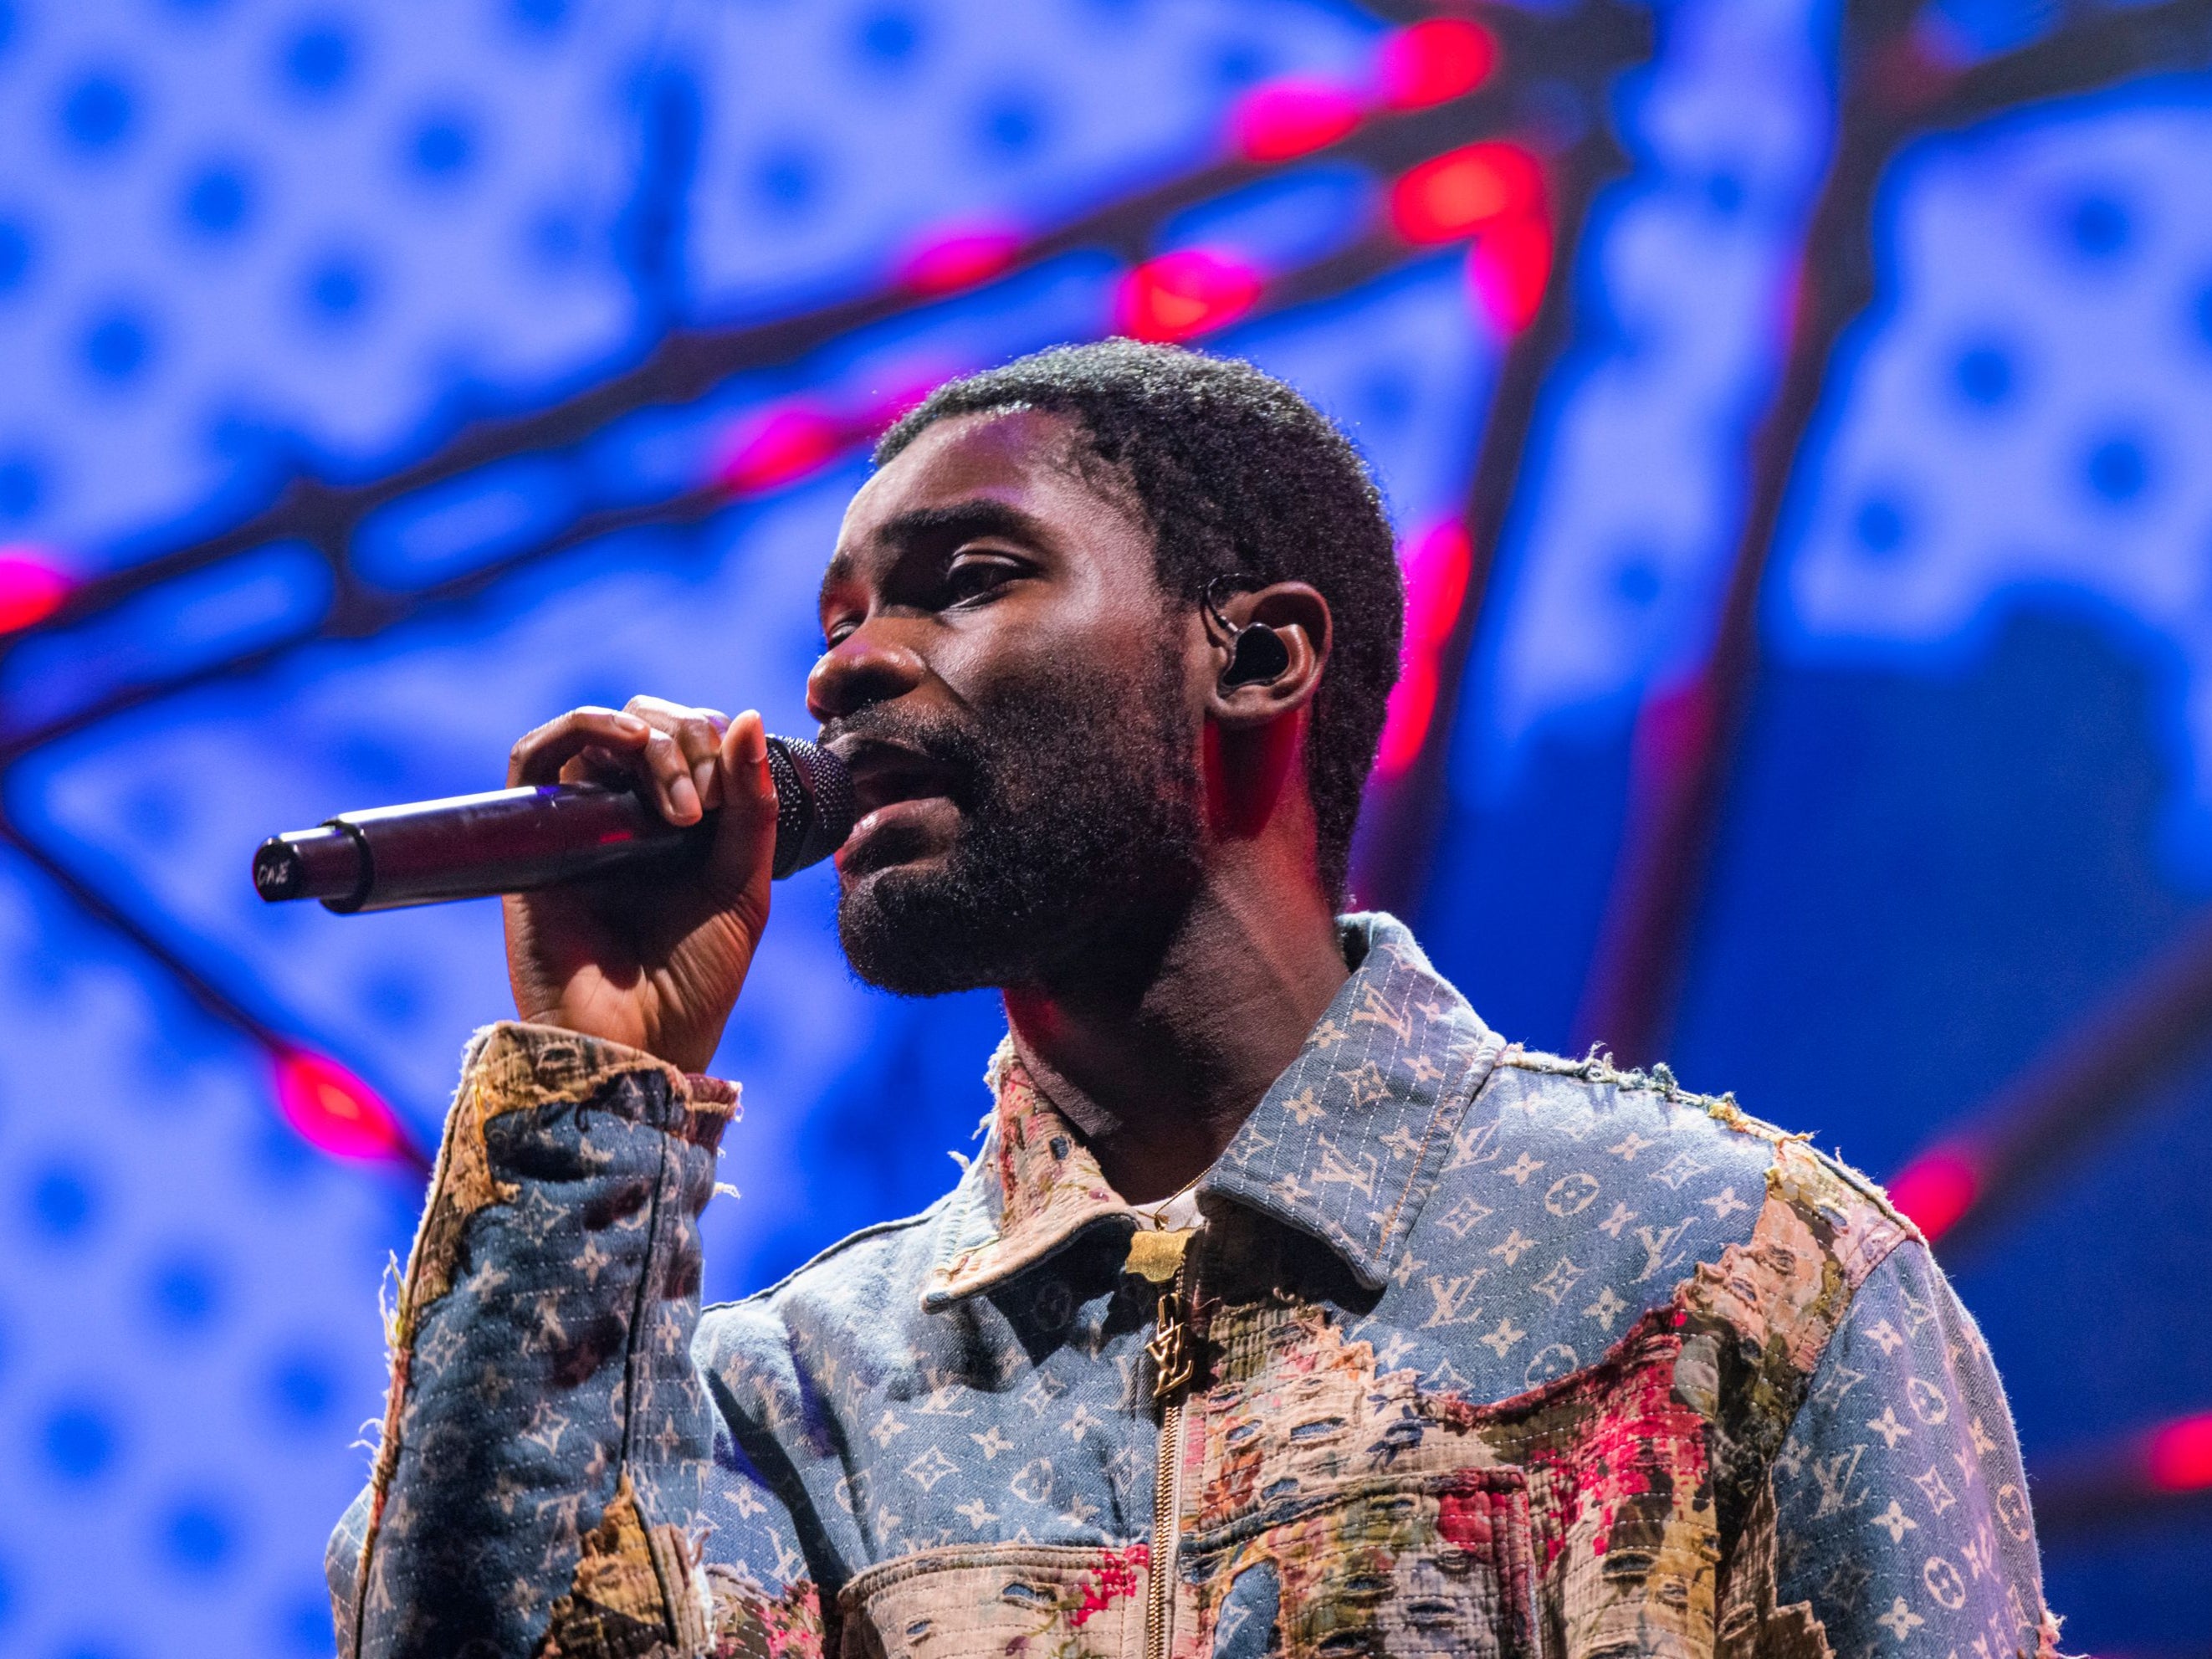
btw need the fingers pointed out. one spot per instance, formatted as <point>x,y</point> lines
<point>669,752</point>
<point>745,838</point>
<point>538,757</point>
<point>697,734</point>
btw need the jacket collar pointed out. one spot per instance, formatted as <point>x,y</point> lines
<point>1346,1146</point>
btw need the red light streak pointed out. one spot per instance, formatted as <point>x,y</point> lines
<point>336,1112</point>
<point>958,259</point>
<point>1510,267</point>
<point>31,589</point>
<point>783,447</point>
<point>2181,1454</point>
<point>1935,1190</point>
<point>1291,117</point>
<point>1437,567</point>
<point>1181,296</point>
<point>1491,194</point>
<point>1436,61</point>
<point>1466,192</point>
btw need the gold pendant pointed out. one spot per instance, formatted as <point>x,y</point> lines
<point>1157,1255</point>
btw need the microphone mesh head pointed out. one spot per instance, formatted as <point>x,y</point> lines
<point>814,806</point>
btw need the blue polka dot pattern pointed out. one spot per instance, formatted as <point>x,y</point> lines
<point>302,1387</point>
<point>1984,376</point>
<point>97,113</point>
<point>1639,442</point>
<point>79,1442</point>
<point>63,1205</point>
<point>2116,469</point>
<point>217,201</point>
<point>319,59</point>
<point>2097,226</point>
<point>117,347</point>
<point>198,1536</point>
<point>256,234</point>
<point>184,1291</point>
<point>2051,269</point>
<point>14,255</point>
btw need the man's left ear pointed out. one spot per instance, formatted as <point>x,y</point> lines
<point>1269,645</point>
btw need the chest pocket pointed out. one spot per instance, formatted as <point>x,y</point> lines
<point>1397,1566</point>
<point>971,1601</point>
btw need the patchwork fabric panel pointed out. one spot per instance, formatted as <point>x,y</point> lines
<point>1414,1566</point>
<point>979,1602</point>
<point>1584,1508</point>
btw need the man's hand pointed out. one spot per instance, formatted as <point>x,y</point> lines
<point>654,963</point>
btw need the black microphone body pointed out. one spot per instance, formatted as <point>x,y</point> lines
<point>514,841</point>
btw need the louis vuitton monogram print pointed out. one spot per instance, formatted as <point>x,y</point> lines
<point>1899,1494</point>
<point>1495,1353</point>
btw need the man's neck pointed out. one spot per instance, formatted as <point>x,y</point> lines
<point>1160,1068</point>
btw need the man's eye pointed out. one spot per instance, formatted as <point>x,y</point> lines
<point>971,577</point>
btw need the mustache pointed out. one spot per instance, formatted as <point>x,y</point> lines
<point>955,746</point>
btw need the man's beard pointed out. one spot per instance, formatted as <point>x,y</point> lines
<point>1079,844</point>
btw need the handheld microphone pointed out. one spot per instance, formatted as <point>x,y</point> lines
<point>514,841</point>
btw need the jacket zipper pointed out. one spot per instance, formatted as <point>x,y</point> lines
<point>1171,1372</point>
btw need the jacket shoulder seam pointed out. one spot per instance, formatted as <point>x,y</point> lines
<point>823,1257</point>
<point>1598,1068</point>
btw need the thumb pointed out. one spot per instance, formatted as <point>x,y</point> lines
<point>743,850</point>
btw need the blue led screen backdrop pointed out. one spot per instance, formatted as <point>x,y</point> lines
<point>1793,413</point>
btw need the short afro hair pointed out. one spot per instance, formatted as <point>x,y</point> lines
<point>1236,474</point>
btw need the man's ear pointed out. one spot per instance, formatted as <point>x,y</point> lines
<point>1248,690</point>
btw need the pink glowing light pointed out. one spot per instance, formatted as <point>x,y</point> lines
<point>2181,1454</point>
<point>1181,296</point>
<point>1437,567</point>
<point>1935,1190</point>
<point>781,448</point>
<point>1465,192</point>
<point>1436,570</point>
<point>959,259</point>
<point>1286,119</point>
<point>1406,719</point>
<point>1509,266</point>
<point>336,1112</point>
<point>1436,61</point>
<point>31,589</point>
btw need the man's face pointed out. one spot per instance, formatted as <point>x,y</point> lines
<point>1011,689</point>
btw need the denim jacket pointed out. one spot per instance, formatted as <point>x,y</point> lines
<point>1478,1351</point>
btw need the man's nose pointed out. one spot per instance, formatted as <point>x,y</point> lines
<point>867,667</point>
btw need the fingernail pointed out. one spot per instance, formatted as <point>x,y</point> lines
<point>756,746</point>
<point>682,798</point>
<point>630,723</point>
<point>702,777</point>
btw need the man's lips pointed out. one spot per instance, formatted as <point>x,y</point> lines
<point>894,787</point>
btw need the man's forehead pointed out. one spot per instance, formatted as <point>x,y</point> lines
<point>1027,459</point>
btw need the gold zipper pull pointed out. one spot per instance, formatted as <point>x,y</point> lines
<point>1156,1255</point>
<point>1171,1344</point>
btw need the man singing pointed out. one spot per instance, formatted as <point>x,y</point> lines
<point>1287,1308</point>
